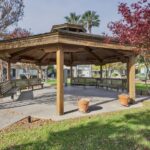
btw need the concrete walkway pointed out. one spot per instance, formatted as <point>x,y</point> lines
<point>41,104</point>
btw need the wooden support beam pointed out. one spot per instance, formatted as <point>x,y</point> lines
<point>27,59</point>
<point>90,51</point>
<point>72,48</point>
<point>131,68</point>
<point>115,59</point>
<point>40,74</point>
<point>5,55</point>
<point>60,82</point>
<point>71,74</point>
<point>71,69</point>
<point>71,58</point>
<point>8,70</point>
<point>21,52</point>
<point>101,71</point>
<point>43,57</point>
<point>127,64</point>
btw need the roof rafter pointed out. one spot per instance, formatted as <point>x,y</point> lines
<point>21,52</point>
<point>90,51</point>
<point>43,57</point>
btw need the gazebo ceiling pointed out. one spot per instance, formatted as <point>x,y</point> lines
<point>78,46</point>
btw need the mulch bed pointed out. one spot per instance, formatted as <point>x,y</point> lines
<point>25,124</point>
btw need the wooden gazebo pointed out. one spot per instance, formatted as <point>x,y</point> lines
<point>69,45</point>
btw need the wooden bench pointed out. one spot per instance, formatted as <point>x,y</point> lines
<point>116,84</point>
<point>108,83</point>
<point>78,81</point>
<point>82,81</point>
<point>22,84</point>
<point>90,81</point>
<point>112,83</point>
<point>35,82</point>
<point>8,89</point>
<point>103,83</point>
<point>98,83</point>
<point>119,84</point>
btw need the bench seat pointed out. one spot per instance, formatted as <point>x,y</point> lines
<point>36,84</point>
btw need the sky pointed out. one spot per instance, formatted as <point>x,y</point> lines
<point>40,15</point>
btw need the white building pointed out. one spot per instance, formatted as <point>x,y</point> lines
<point>84,71</point>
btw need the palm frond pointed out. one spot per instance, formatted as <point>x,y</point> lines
<point>90,19</point>
<point>73,18</point>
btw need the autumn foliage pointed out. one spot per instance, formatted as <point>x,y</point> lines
<point>134,27</point>
<point>18,33</point>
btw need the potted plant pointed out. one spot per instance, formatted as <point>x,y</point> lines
<point>83,105</point>
<point>124,99</point>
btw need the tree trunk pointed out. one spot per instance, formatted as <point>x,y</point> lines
<point>147,74</point>
<point>90,29</point>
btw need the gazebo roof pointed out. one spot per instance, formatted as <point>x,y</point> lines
<point>79,47</point>
<point>68,27</point>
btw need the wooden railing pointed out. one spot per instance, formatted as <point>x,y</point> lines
<point>5,87</point>
<point>20,84</point>
<point>109,82</point>
<point>25,83</point>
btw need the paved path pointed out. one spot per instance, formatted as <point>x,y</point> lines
<point>41,104</point>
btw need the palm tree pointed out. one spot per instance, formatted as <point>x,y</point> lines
<point>90,19</point>
<point>73,18</point>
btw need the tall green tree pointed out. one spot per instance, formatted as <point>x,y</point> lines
<point>90,19</point>
<point>73,18</point>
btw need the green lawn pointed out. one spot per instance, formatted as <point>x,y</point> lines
<point>125,130</point>
<point>51,81</point>
<point>141,86</point>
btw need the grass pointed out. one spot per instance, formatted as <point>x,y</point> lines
<point>141,86</point>
<point>51,81</point>
<point>124,130</point>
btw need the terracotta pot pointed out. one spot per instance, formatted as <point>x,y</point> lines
<point>124,99</point>
<point>83,105</point>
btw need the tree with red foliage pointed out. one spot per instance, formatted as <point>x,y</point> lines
<point>18,33</point>
<point>134,28</point>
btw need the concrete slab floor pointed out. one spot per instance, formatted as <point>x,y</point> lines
<point>42,104</point>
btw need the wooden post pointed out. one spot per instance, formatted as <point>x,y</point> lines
<point>77,71</point>
<point>101,72</point>
<point>8,70</point>
<point>40,72</point>
<point>60,78</point>
<point>71,68</point>
<point>71,74</point>
<point>131,68</point>
<point>1,71</point>
<point>128,76</point>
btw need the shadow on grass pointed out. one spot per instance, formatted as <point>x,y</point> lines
<point>125,132</point>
